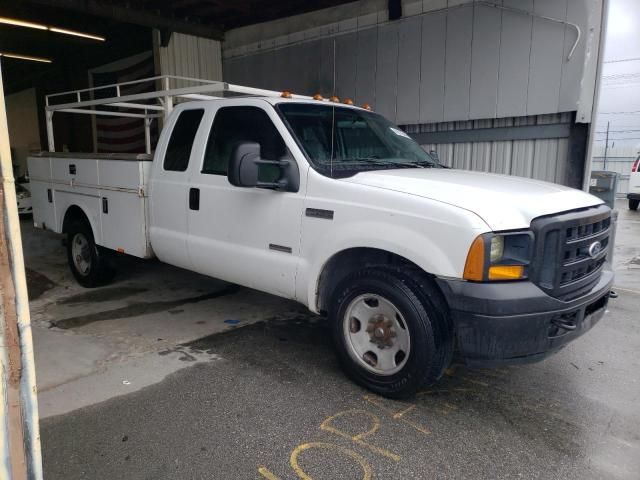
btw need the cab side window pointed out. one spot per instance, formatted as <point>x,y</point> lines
<point>234,125</point>
<point>176,158</point>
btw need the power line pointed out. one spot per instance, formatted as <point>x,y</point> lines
<point>616,139</point>
<point>623,60</point>
<point>635,112</point>
<point>616,76</point>
<point>620,131</point>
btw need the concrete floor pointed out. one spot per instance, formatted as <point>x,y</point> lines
<point>152,378</point>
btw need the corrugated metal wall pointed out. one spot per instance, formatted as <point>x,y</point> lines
<point>543,159</point>
<point>447,65</point>
<point>189,56</point>
<point>463,63</point>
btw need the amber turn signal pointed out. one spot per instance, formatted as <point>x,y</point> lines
<point>506,272</point>
<point>474,266</point>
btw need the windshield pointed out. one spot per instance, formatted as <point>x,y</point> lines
<point>343,141</point>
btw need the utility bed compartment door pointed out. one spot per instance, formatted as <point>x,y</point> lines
<point>123,206</point>
<point>42,195</point>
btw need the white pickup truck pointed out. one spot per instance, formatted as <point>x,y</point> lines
<point>335,207</point>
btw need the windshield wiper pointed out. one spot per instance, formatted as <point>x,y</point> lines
<point>387,162</point>
<point>381,161</point>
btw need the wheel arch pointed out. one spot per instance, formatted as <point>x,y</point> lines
<point>76,213</point>
<point>346,261</point>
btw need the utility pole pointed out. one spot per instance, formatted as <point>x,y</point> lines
<point>20,454</point>
<point>606,147</point>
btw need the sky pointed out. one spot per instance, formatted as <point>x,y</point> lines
<point>620,89</point>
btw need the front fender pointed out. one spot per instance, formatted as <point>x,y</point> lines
<point>425,251</point>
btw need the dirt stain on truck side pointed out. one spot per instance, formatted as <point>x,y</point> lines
<point>139,308</point>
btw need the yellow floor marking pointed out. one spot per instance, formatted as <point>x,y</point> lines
<point>406,410</point>
<point>374,401</point>
<point>267,474</point>
<point>366,468</point>
<point>477,382</point>
<point>327,427</point>
<point>442,392</point>
<point>491,373</point>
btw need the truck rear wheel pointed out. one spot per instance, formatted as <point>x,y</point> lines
<point>391,330</point>
<point>89,263</point>
<point>633,204</point>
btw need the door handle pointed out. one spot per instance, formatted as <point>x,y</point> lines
<point>194,199</point>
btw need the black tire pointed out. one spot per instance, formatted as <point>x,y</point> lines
<point>633,204</point>
<point>99,269</point>
<point>423,311</point>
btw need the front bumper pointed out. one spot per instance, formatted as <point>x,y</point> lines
<point>516,322</point>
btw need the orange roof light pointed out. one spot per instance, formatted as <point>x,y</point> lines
<point>286,94</point>
<point>366,106</point>
<point>317,96</point>
<point>348,101</point>
<point>334,99</point>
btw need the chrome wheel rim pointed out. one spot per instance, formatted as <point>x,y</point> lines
<point>376,334</point>
<point>81,253</point>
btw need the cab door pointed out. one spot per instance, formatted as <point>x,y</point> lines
<point>249,236</point>
<point>170,185</point>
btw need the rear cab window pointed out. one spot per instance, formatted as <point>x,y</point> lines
<point>176,158</point>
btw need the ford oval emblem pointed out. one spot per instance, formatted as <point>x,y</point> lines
<point>594,249</point>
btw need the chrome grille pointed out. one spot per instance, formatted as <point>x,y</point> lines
<point>564,265</point>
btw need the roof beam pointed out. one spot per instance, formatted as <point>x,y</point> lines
<point>136,16</point>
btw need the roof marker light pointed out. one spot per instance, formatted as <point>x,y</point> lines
<point>317,96</point>
<point>286,94</point>
<point>334,99</point>
<point>366,106</point>
<point>347,101</point>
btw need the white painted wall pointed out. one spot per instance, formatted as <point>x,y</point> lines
<point>24,133</point>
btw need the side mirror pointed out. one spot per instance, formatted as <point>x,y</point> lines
<point>244,169</point>
<point>244,166</point>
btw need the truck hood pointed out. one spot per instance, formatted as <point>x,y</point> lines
<point>503,202</point>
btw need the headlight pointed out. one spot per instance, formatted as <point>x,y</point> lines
<point>497,248</point>
<point>499,256</point>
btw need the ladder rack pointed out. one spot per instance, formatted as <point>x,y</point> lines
<point>108,100</point>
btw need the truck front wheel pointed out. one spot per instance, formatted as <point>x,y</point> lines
<point>88,262</point>
<point>633,204</point>
<point>391,330</point>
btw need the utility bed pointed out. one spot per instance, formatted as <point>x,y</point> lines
<point>109,188</point>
